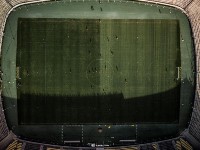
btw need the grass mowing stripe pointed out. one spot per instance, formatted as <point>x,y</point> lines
<point>109,69</point>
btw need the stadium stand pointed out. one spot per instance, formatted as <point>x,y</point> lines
<point>16,2</point>
<point>147,146</point>
<point>15,145</point>
<point>183,144</point>
<point>192,9</point>
<point>178,145</point>
<point>180,3</point>
<point>32,146</point>
<point>123,148</point>
<point>5,7</point>
<point>3,127</point>
<point>167,145</point>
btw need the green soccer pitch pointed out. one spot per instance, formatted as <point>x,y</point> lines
<point>72,62</point>
<point>70,68</point>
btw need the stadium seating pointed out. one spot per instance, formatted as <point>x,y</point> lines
<point>180,3</point>
<point>183,3</point>
<point>123,148</point>
<point>32,146</point>
<point>5,7</point>
<point>192,9</point>
<point>16,2</point>
<point>52,149</point>
<point>167,145</point>
<point>3,127</point>
<point>15,145</point>
<point>163,145</point>
<point>183,144</point>
<point>147,146</point>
